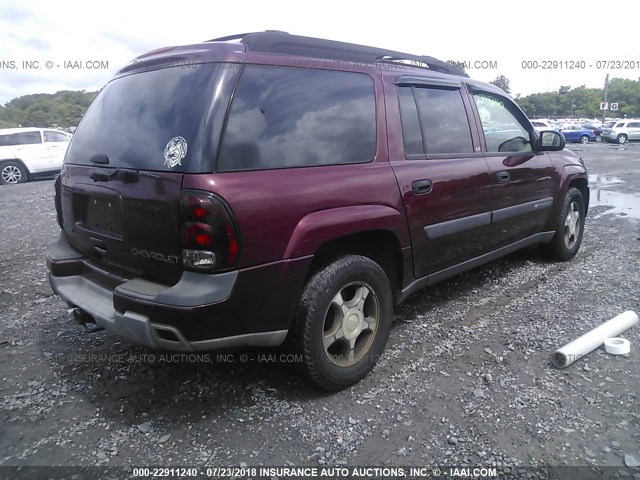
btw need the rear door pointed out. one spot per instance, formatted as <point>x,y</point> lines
<point>522,181</point>
<point>122,177</point>
<point>443,178</point>
<point>634,130</point>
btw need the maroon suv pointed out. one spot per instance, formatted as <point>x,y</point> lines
<point>267,187</point>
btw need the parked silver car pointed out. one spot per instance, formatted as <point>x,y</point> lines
<point>623,131</point>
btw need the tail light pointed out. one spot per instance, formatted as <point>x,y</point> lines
<point>210,240</point>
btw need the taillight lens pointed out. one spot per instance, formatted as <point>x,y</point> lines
<point>210,240</point>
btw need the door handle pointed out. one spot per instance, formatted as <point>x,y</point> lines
<point>503,177</point>
<point>422,186</point>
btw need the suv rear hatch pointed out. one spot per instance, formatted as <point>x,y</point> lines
<point>120,186</point>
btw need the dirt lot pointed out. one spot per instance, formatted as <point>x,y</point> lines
<point>465,380</point>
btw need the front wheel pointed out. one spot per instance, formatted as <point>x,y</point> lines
<point>342,321</point>
<point>569,228</point>
<point>599,139</point>
<point>622,139</point>
<point>584,139</point>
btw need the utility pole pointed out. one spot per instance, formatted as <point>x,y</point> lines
<point>606,94</point>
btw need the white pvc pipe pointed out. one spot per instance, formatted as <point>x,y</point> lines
<point>565,356</point>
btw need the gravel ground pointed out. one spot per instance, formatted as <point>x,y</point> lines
<point>465,380</point>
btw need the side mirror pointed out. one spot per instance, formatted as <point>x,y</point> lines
<point>550,141</point>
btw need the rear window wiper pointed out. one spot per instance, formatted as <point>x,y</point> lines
<point>99,158</point>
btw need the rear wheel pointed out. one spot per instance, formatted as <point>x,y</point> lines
<point>584,139</point>
<point>622,139</point>
<point>569,228</point>
<point>343,321</point>
<point>599,139</point>
<point>12,173</point>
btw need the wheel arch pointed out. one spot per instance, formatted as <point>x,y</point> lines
<point>381,246</point>
<point>378,232</point>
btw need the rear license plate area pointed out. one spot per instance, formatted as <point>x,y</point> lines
<point>99,214</point>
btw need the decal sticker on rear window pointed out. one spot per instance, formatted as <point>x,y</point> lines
<point>175,151</point>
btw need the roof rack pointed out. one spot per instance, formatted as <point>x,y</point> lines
<point>274,41</point>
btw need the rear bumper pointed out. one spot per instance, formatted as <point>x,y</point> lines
<point>249,307</point>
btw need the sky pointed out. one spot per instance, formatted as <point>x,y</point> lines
<point>493,37</point>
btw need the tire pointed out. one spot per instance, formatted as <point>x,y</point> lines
<point>12,173</point>
<point>569,230</point>
<point>342,321</point>
<point>584,139</point>
<point>622,139</point>
<point>599,139</point>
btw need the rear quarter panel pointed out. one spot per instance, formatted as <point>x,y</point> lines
<point>289,213</point>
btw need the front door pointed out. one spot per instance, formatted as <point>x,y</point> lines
<point>522,181</point>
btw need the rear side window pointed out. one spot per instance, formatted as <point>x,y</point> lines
<point>293,117</point>
<point>411,133</point>
<point>8,140</point>
<point>28,138</point>
<point>441,118</point>
<point>634,125</point>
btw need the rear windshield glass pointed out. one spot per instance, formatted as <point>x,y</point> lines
<point>151,120</point>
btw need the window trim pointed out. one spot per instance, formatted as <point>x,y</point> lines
<point>414,80</point>
<point>232,97</point>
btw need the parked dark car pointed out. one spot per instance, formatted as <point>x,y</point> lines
<point>596,130</point>
<point>270,188</point>
<point>577,134</point>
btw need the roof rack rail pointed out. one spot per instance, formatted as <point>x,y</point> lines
<point>278,42</point>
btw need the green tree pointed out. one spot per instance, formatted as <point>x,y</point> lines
<point>502,82</point>
<point>64,109</point>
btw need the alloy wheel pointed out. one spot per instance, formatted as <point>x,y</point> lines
<point>351,324</point>
<point>11,174</point>
<point>572,225</point>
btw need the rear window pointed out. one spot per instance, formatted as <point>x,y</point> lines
<point>152,120</point>
<point>293,117</point>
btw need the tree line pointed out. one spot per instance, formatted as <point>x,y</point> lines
<point>66,108</point>
<point>62,109</point>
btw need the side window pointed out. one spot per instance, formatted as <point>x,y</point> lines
<point>8,140</point>
<point>411,134</point>
<point>619,125</point>
<point>50,136</point>
<point>28,138</point>
<point>503,132</point>
<point>293,117</point>
<point>634,125</point>
<point>444,122</point>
